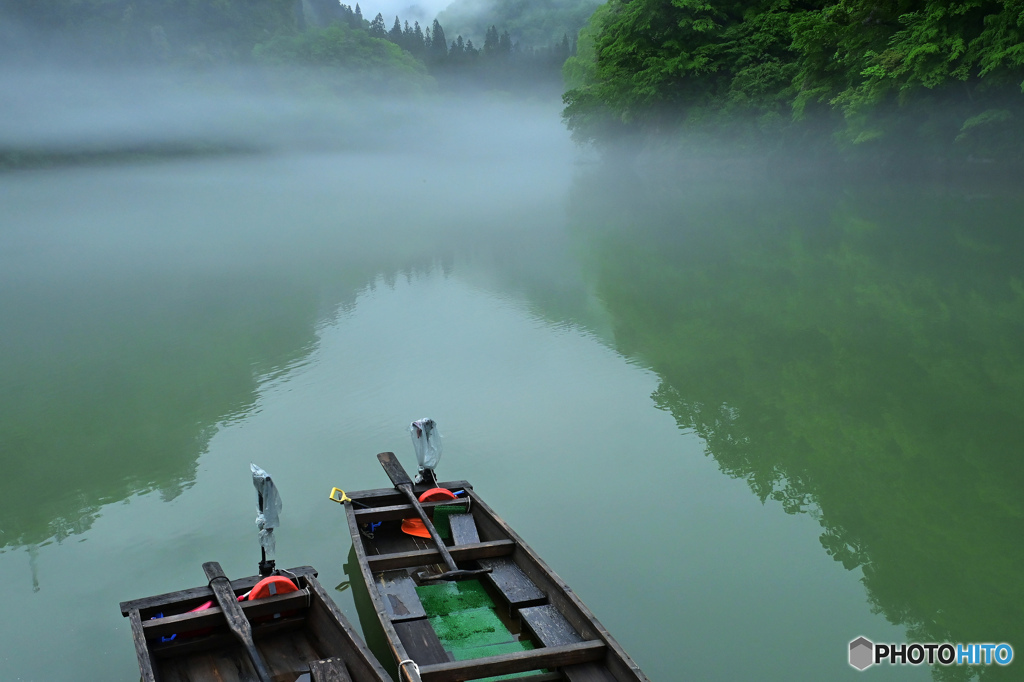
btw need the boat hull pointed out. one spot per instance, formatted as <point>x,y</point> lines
<point>545,630</point>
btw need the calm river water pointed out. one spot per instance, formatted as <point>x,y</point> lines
<point>747,420</point>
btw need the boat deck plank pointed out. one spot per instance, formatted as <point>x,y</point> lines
<point>329,670</point>
<point>464,530</point>
<point>224,665</point>
<point>288,652</point>
<point>510,580</point>
<point>421,642</point>
<point>549,626</point>
<point>398,591</point>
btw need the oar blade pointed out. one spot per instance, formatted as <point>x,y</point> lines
<point>237,622</point>
<point>393,468</point>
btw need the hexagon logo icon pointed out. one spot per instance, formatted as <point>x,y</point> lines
<point>861,650</point>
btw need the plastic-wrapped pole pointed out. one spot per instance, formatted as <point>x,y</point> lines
<point>426,440</point>
<point>268,502</point>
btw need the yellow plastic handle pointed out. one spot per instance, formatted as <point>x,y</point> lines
<point>340,499</point>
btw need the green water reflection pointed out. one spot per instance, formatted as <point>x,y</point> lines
<point>853,354</point>
<point>111,389</point>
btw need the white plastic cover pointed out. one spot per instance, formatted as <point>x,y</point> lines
<point>270,516</point>
<point>426,439</point>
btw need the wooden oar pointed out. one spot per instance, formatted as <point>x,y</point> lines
<point>402,482</point>
<point>237,622</point>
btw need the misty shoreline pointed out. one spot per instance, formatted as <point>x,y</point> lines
<point>69,118</point>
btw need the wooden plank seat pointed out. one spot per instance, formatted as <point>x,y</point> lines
<point>464,530</point>
<point>510,580</point>
<point>422,557</point>
<point>522,661</point>
<point>398,591</point>
<point>213,616</point>
<point>505,575</point>
<point>396,512</point>
<point>552,629</point>
<point>549,626</point>
<point>195,596</point>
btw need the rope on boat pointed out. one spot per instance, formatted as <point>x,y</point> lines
<point>415,668</point>
<point>284,571</point>
<point>218,577</point>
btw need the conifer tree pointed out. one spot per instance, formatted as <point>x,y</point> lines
<point>438,45</point>
<point>563,49</point>
<point>457,50</point>
<point>377,27</point>
<point>491,41</point>
<point>359,16</point>
<point>395,34</point>
<point>418,42</point>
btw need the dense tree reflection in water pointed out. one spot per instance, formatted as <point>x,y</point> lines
<point>853,354</point>
<point>115,387</point>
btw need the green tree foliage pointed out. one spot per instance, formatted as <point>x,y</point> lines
<point>343,54</point>
<point>923,70</point>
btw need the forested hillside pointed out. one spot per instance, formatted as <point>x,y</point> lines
<point>928,76</point>
<point>144,30</point>
<point>340,47</point>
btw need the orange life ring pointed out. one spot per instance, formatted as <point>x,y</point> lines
<point>415,526</point>
<point>268,587</point>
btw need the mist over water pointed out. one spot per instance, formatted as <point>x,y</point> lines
<point>707,366</point>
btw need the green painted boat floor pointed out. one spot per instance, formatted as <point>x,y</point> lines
<point>467,623</point>
<point>496,650</point>
<point>442,599</point>
<point>471,628</point>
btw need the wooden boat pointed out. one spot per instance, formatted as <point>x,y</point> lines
<point>500,612</point>
<point>298,636</point>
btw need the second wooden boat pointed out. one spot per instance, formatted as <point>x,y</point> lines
<point>460,596</point>
<point>291,634</point>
